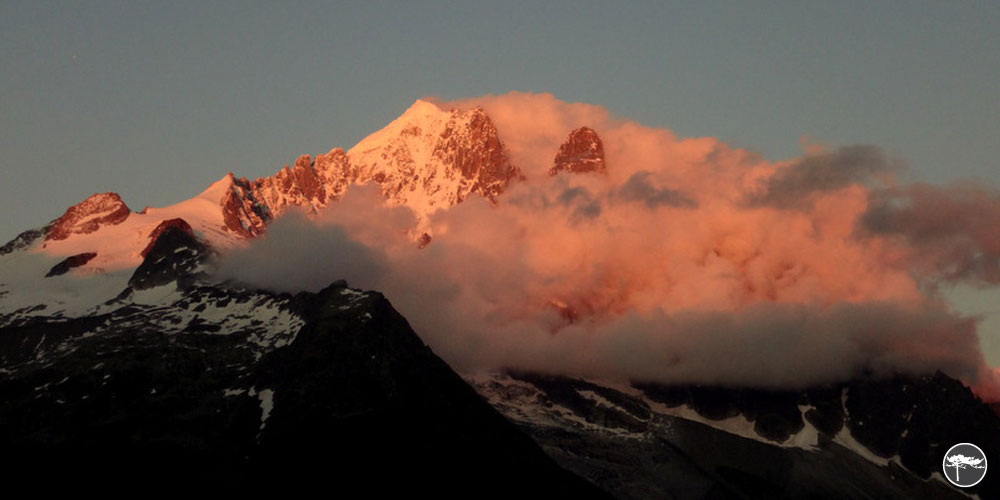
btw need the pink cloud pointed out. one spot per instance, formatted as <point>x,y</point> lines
<point>689,261</point>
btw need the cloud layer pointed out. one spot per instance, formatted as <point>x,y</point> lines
<point>948,233</point>
<point>689,261</point>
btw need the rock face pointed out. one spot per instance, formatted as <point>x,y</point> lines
<point>89,215</point>
<point>242,213</point>
<point>69,263</point>
<point>180,224</point>
<point>871,438</point>
<point>223,387</point>
<point>426,159</point>
<point>583,151</point>
<point>429,158</point>
<point>308,184</point>
<point>470,145</point>
<point>24,240</point>
<point>175,255</point>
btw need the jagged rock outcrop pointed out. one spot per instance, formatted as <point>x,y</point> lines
<point>88,216</point>
<point>582,152</point>
<point>309,184</point>
<point>470,145</point>
<point>242,212</point>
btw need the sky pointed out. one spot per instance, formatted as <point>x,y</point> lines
<point>155,100</point>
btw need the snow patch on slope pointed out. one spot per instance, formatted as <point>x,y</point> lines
<point>266,397</point>
<point>24,288</point>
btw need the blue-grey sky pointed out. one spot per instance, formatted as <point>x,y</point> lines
<point>155,100</point>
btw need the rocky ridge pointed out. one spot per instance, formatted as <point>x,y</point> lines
<point>867,438</point>
<point>217,386</point>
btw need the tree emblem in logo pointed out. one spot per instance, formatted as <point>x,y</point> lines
<point>964,465</point>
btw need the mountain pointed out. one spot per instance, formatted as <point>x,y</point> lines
<point>427,159</point>
<point>120,351</point>
<point>583,151</point>
<point>219,386</point>
<point>867,438</point>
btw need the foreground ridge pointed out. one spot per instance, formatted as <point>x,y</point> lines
<point>217,385</point>
<point>868,438</point>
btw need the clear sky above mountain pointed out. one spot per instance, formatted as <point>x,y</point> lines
<point>155,100</point>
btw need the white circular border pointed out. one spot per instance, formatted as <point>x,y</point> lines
<point>986,464</point>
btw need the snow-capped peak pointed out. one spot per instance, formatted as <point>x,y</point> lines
<point>89,215</point>
<point>420,123</point>
<point>217,190</point>
<point>427,159</point>
<point>421,109</point>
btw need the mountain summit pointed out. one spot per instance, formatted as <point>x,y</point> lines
<point>429,158</point>
<point>426,159</point>
<point>583,151</point>
<point>89,215</point>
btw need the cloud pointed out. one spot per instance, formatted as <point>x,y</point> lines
<point>583,203</point>
<point>638,188</point>
<point>534,125</point>
<point>946,233</point>
<point>302,253</point>
<point>658,270</point>
<point>294,255</point>
<point>792,186</point>
<point>777,345</point>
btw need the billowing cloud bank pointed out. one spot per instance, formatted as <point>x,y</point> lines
<point>689,261</point>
